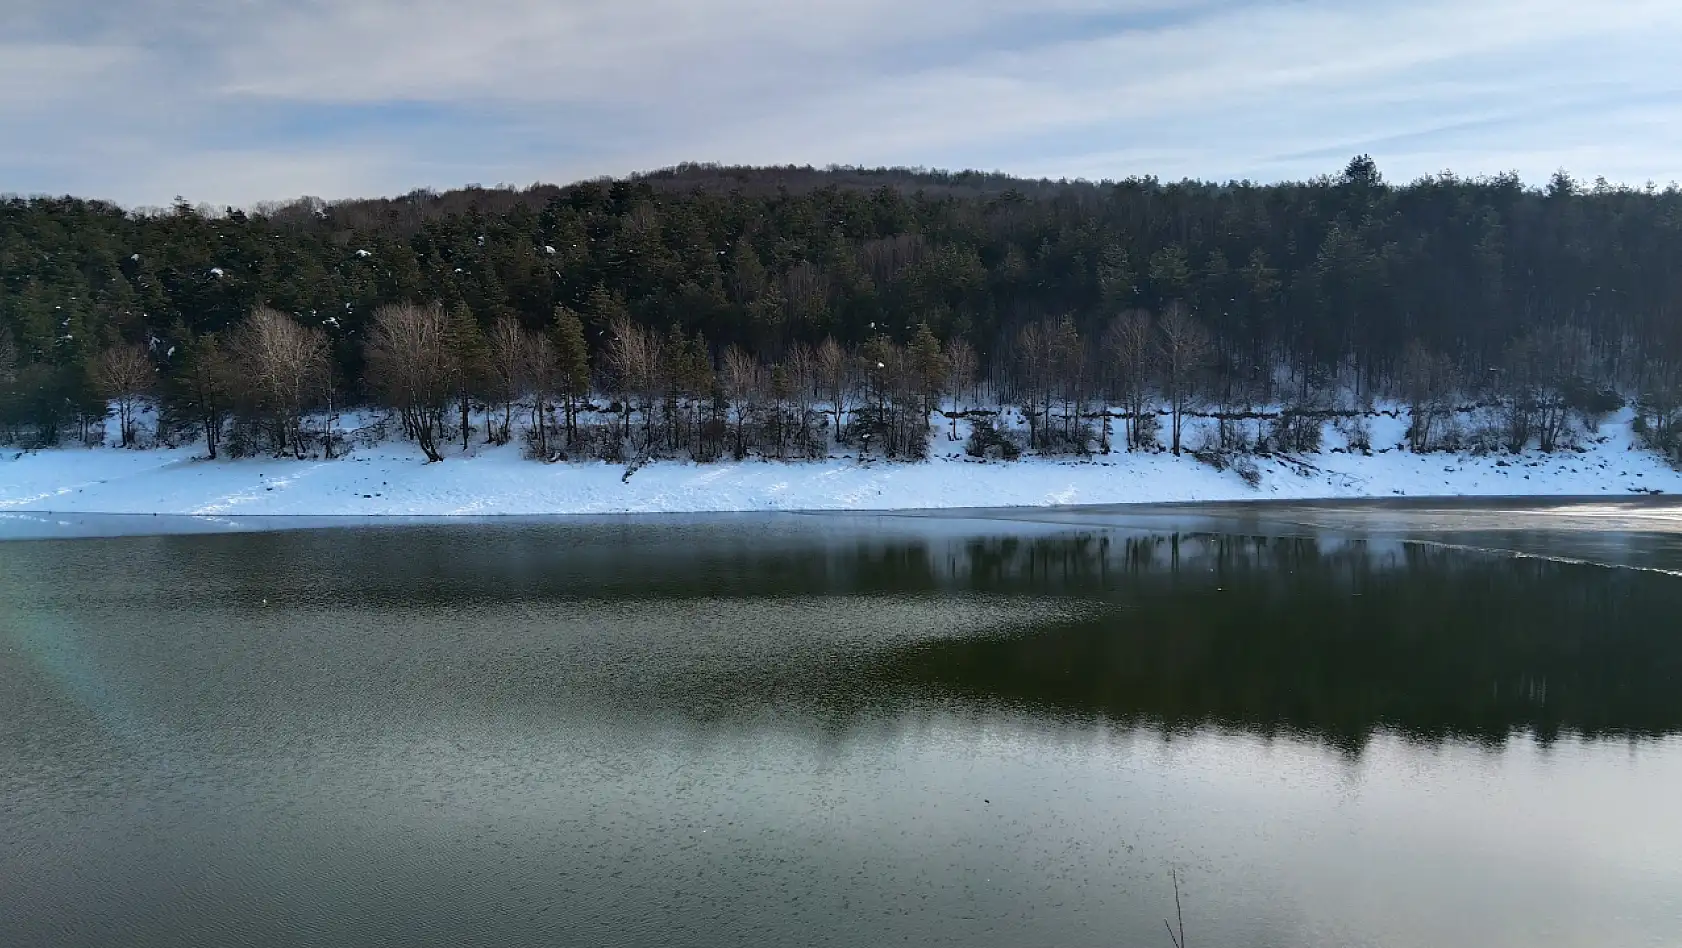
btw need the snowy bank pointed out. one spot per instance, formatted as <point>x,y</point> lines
<point>392,479</point>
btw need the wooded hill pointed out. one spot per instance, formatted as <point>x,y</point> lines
<point>713,310</point>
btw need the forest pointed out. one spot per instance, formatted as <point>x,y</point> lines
<point>708,312</point>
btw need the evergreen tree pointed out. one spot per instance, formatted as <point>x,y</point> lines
<point>572,366</point>
<point>1327,282</point>
<point>201,386</point>
<point>929,365</point>
<point>470,365</point>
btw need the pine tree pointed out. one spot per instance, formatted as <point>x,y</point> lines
<point>470,364</point>
<point>603,310</point>
<point>1115,277</point>
<point>928,365</point>
<point>1171,273</point>
<point>8,356</point>
<point>572,365</point>
<point>1332,279</point>
<point>202,385</point>
<point>702,383</point>
<point>674,352</point>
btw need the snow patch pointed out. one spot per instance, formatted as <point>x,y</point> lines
<point>392,479</point>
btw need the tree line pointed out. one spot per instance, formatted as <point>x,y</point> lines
<point>724,311</point>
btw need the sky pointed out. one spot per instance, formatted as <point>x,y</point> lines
<point>233,102</point>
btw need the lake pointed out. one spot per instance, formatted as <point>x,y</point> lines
<point>1339,725</point>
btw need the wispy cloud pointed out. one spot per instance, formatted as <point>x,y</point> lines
<point>240,101</point>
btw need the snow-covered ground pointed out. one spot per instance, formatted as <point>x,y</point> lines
<point>393,479</point>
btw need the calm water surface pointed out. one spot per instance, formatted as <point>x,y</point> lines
<point>1343,725</point>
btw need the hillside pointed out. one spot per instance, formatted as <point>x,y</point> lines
<point>717,306</point>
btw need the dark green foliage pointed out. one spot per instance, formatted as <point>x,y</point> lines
<point>1589,399</point>
<point>470,365</point>
<point>200,391</point>
<point>1331,279</point>
<point>572,365</point>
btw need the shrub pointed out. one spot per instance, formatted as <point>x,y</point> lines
<point>1241,464</point>
<point>1357,430</point>
<point>1235,434</point>
<point>1056,440</point>
<point>1660,431</point>
<point>1248,471</point>
<point>1296,431</point>
<point>1210,456</point>
<point>1589,402</point>
<point>1146,429</point>
<point>987,441</point>
<point>1453,437</point>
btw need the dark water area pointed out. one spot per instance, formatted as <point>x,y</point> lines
<point>1408,725</point>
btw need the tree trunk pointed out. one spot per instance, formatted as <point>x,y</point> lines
<point>424,435</point>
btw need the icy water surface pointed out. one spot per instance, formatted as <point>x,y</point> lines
<point>1414,725</point>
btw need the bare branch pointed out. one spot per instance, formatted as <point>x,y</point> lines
<point>125,376</point>
<point>286,368</point>
<point>412,363</point>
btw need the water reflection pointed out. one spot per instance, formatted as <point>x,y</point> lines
<point>1280,634</point>
<point>836,731</point>
<point>1330,636</point>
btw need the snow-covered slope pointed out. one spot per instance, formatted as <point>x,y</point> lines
<point>393,479</point>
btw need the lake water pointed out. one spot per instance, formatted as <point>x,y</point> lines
<point>1396,725</point>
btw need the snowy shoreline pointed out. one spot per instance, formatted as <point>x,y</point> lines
<point>392,479</point>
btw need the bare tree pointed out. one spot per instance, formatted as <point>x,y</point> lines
<point>125,376</point>
<point>286,368</point>
<point>411,362</point>
<point>1659,408</point>
<point>961,365</point>
<point>540,371</point>
<point>1542,368</point>
<point>1427,380</point>
<point>1129,343</point>
<point>1185,351</point>
<point>1068,378</point>
<point>742,385</point>
<point>801,370</point>
<point>633,355</point>
<point>506,347</point>
<point>1034,377</point>
<point>835,379</point>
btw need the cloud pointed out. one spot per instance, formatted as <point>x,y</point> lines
<point>34,77</point>
<point>243,101</point>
